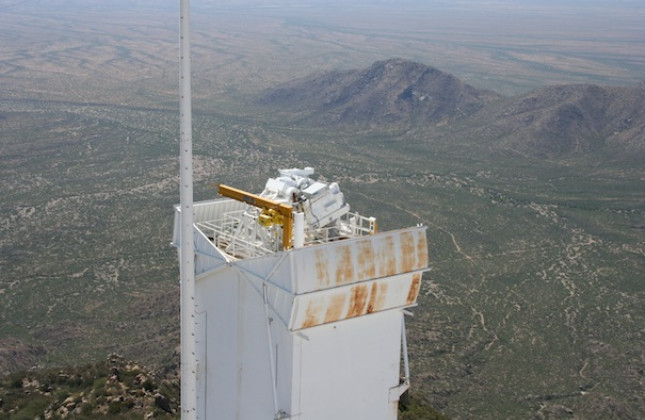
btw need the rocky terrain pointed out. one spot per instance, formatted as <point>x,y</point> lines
<point>388,92</point>
<point>547,122</point>
<point>114,388</point>
<point>567,119</point>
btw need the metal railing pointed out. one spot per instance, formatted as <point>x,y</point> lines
<point>232,234</point>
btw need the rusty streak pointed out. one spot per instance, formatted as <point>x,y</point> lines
<point>311,315</point>
<point>414,289</point>
<point>345,266</point>
<point>373,294</point>
<point>357,300</point>
<point>321,268</point>
<point>366,261</point>
<point>335,308</point>
<point>422,250</point>
<point>388,257</point>
<point>408,252</point>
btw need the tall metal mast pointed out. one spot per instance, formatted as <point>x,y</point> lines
<point>187,262</point>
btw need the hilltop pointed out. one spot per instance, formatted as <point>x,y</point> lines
<point>387,92</point>
<point>568,119</point>
<point>547,122</point>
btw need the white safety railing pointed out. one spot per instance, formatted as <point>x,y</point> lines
<point>234,235</point>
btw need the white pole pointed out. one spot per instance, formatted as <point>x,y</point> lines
<point>187,263</point>
<point>298,229</point>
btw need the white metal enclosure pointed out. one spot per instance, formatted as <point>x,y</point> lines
<point>313,332</point>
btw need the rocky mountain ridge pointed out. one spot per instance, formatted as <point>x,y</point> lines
<point>548,122</point>
<point>387,92</point>
<point>567,119</point>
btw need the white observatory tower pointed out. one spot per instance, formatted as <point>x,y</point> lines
<point>292,307</point>
<point>299,304</point>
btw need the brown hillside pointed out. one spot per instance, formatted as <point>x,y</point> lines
<point>388,92</point>
<point>548,122</point>
<point>569,119</point>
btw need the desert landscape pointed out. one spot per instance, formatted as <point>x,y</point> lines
<point>524,159</point>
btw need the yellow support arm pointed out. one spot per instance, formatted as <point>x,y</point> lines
<point>265,204</point>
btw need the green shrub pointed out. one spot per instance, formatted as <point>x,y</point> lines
<point>412,407</point>
<point>148,385</point>
<point>35,408</point>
